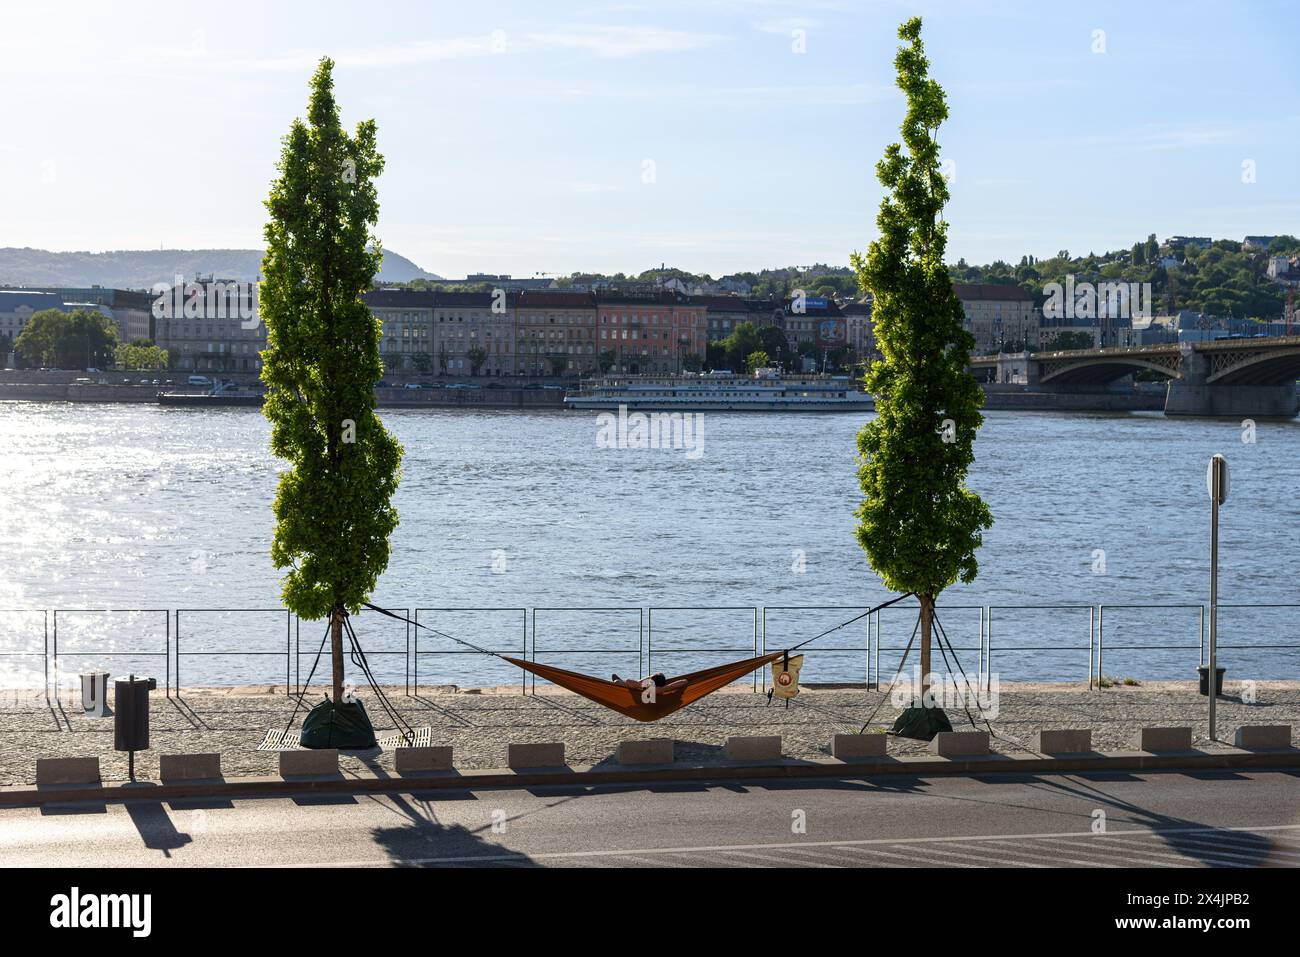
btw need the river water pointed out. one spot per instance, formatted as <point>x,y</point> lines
<point>145,508</point>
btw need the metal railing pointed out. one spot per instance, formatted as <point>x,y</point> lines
<point>751,650</point>
<point>455,649</point>
<point>1101,632</point>
<point>842,613</point>
<point>581,637</point>
<point>570,651</point>
<point>987,661</point>
<point>287,653</point>
<point>943,610</point>
<point>44,653</point>
<point>165,654</point>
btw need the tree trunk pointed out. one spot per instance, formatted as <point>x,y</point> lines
<point>927,617</point>
<point>336,655</point>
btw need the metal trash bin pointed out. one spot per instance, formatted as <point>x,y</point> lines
<point>94,693</point>
<point>131,716</point>
<point>1204,671</point>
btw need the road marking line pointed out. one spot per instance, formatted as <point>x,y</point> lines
<point>1141,848</point>
<point>788,862</point>
<point>1024,850</point>
<point>866,842</point>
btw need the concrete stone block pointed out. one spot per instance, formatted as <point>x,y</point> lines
<point>756,748</point>
<point>1263,737</point>
<point>314,762</point>
<point>1165,739</point>
<point>1065,742</point>
<point>415,760</point>
<point>542,755</point>
<point>67,771</point>
<point>652,751</point>
<point>960,744</point>
<point>846,747</point>
<point>188,767</point>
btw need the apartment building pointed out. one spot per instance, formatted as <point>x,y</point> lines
<point>999,316</point>
<point>406,315</point>
<point>658,332</point>
<point>474,333</point>
<point>555,333</point>
<point>210,325</point>
<point>859,329</point>
<point>812,320</point>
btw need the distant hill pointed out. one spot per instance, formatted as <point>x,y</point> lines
<point>140,268</point>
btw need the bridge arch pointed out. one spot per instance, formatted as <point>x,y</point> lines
<point>1276,367</point>
<point>1103,368</point>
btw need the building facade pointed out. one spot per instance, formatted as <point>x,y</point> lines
<point>999,316</point>
<point>474,333</point>
<point>210,325</point>
<point>860,330</point>
<point>406,318</point>
<point>555,333</point>
<point>659,332</point>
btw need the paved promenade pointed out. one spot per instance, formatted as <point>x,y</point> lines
<point>480,725</point>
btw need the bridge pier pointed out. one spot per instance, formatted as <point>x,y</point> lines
<point>1245,401</point>
<point>1193,394</point>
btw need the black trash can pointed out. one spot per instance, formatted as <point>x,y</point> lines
<point>1205,680</point>
<point>131,713</point>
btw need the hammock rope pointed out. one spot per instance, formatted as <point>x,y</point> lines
<point>619,697</point>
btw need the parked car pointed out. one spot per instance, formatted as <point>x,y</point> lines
<point>196,380</point>
<point>414,385</point>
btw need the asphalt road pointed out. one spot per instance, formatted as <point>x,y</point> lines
<point>1201,819</point>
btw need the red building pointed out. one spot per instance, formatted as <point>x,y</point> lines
<point>653,332</point>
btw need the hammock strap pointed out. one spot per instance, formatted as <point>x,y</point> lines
<point>869,611</point>
<point>440,634</point>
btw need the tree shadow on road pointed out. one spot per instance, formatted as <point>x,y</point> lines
<point>1202,843</point>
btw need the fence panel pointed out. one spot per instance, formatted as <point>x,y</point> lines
<point>963,624</point>
<point>24,654</point>
<point>843,655</point>
<point>1270,636</point>
<point>1038,631</point>
<point>440,661</point>
<point>259,641</point>
<point>132,641</point>
<point>385,641</point>
<point>1160,642</point>
<point>681,639</point>
<point>595,641</point>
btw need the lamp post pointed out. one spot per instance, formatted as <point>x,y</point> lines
<point>1216,480</point>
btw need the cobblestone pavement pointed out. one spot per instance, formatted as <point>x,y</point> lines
<point>480,725</point>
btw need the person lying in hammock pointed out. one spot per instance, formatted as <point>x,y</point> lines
<point>662,684</point>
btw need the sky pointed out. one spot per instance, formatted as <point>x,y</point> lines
<point>713,135</point>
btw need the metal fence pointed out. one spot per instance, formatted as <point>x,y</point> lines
<point>200,647</point>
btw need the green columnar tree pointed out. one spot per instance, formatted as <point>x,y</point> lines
<point>333,509</point>
<point>918,523</point>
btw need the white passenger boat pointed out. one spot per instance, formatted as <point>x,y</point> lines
<point>765,391</point>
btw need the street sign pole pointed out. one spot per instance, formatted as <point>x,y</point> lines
<point>1216,479</point>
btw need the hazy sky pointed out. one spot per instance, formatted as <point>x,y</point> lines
<point>140,125</point>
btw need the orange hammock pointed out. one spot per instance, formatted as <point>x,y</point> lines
<point>627,701</point>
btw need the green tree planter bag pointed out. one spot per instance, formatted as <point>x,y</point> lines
<point>344,726</point>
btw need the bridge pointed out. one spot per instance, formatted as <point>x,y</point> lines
<point>1249,377</point>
